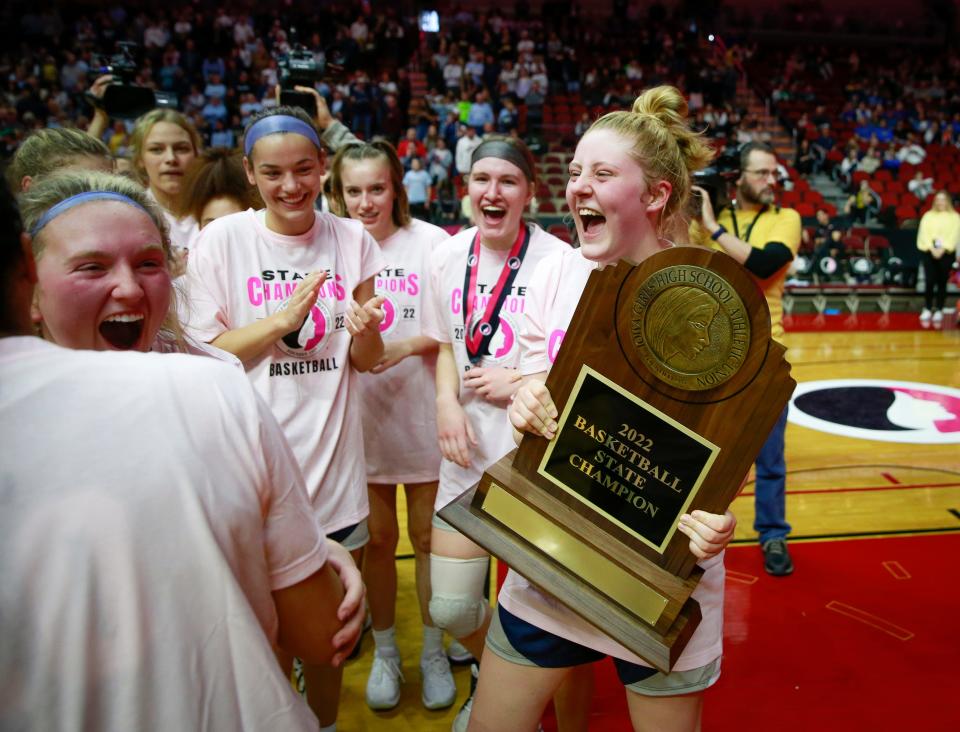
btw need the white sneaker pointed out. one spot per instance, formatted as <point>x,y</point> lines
<point>439,691</point>
<point>458,654</point>
<point>383,684</point>
<point>925,316</point>
<point>462,720</point>
<point>937,318</point>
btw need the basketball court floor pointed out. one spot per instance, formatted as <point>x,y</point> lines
<point>864,634</point>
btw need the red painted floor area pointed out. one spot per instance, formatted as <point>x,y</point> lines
<point>807,322</point>
<point>865,635</point>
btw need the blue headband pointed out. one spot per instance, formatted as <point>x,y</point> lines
<point>278,123</point>
<point>67,203</point>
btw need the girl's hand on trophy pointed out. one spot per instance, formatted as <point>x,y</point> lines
<point>709,533</point>
<point>533,410</point>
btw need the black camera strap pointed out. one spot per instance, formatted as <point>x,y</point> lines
<point>736,226</point>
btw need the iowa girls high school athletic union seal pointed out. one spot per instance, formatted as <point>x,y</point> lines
<point>689,327</point>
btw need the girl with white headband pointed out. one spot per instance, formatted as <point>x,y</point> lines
<point>282,288</point>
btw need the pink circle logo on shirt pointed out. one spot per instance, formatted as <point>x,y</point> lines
<point>389,321</point>
<point>311,336</point>
<point>554,343</point>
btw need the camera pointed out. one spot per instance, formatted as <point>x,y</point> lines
<point>123,98</point>
<point>716,180</point>
<point>298,67</point>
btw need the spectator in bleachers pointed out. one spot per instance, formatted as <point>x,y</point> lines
<point>480,112</point>
<point>419,187</point>
<point>920,186</point>
<point>864,204</point>
<point>890,160</point>
<point>410,147</point>
<point>453,74</point>
<point>848,166</point>
<point>468,142</point>
<point>806,161</point>
<point>871,161</point>
<point>439,162</point>
<point>938,240</point>
<point>214,111</point>
<point>827,240</point>
<point>911,152</point>
<point>509,116</point>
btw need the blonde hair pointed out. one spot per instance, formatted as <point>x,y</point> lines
<point>664,145</point>
<point>142,129</point>
<point>215,173</point>
<point>50,191</point>
<point>45,151</point>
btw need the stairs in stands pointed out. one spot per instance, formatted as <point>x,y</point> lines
<point>828,187</point>
<point>780,137</point>
<point>418,94</point>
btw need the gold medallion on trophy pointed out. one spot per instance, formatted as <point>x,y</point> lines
<point>689,327</point>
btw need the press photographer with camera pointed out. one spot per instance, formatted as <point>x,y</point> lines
<point>163,142</point>
<point>764,238</point>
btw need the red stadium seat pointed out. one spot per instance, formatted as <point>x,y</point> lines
<point>853,244</point>
<point>905,212</point>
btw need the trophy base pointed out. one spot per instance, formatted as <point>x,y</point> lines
<point>646,609</point>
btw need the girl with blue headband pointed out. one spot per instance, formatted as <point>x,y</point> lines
<point>104,265</point>
<point>290,291</point>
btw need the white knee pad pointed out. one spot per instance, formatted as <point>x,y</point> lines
<point>457,603</point>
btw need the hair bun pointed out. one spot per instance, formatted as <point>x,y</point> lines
<point>666,103</point>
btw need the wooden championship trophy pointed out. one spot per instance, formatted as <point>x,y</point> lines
<point>668,384</point>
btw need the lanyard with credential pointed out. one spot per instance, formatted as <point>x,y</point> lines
<point>736,227</point>
<point>477,339</point>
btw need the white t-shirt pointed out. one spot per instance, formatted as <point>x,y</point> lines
<point>399,416</point>
<point>150,506</point>
<point>444,322</point>
<point>183,232</point>
<point>240,272</point>
<point>552,299</point>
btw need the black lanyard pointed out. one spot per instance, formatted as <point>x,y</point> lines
<point>736,227</point>
<point>477,347</point>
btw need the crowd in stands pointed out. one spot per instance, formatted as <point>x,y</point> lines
<point>532,76</point>
<point>884,124</point>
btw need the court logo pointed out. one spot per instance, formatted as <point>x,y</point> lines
<point>878,409</point>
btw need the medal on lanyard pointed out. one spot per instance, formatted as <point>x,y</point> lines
<point>477,338</point>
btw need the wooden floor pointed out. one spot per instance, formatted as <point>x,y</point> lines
<point>838,488</point>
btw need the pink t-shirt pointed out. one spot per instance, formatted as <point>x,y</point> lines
<point>239,272</point>
<point>552,300</point>
<point>444,322</point>
<point>183,232</point>
<point>150,507</point>
<point>399,416</point>
<point>191,347</point>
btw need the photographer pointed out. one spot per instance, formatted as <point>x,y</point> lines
<point>764,238</point>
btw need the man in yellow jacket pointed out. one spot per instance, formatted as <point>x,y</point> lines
<point>764,238</point>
